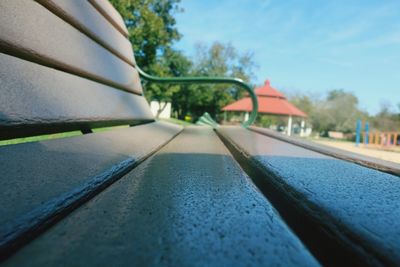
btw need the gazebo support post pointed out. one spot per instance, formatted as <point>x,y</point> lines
<point>246,116</point>
<point>302,128</point>
<point>289,126</point>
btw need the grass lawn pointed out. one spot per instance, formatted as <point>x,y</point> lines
<point>75,133</point>
<point>176,121</point>
<point>54,136</point>
<point>38,138</point>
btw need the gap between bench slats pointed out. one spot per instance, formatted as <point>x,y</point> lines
<point>112,15</point>
<point>355,205</point>
<point>86,18</point>
<point>188,205</point>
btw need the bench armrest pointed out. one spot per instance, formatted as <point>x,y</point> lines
<point>209,80</point>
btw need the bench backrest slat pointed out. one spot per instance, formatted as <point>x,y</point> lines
<point>36,100</point>
<point>109,12</point>
<point>87,19</point>
<point>64,66</point>
<point>30,31</point>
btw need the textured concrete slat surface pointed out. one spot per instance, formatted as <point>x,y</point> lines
<point>109,12</point>
<point>33,174</point>
<point>363,203</point>
<point>30,31</point>
<point>85,17</point>
<point>32,94</point>
<point>188,205</point>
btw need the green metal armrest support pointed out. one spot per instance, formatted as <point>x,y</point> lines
<point>209,80</point>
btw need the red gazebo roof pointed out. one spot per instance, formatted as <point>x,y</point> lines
<point>268,91</point>
<point>270,101</point>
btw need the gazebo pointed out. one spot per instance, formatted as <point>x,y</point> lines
<point>271,102</point>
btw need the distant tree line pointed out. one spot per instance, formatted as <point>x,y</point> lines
<point>152,32</point>
<point>339,111</point>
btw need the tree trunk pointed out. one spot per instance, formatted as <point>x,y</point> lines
<point>160,109</point>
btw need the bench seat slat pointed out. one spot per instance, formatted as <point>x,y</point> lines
<point>108,11</point>
<point>42,180</point>
<point>30,31</point>
<point>374,163</point>
<point>188,205</point>
<point>86,18</point>
<point>360,206</point>
<point>36,99</point>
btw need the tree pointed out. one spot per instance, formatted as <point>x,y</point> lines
<point>152,31</point>
<point>311,105</point>
<point>386,119</point>
<point>151,27</point>
<point>305,102</point>
<point>342,111</point>
<point>215,60</point>
<point>337,112</point>
<point>173,63</point>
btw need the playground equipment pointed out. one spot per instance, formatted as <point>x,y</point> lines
<point>376,138</point>
<point>382,139</point>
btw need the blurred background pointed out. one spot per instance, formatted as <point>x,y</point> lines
<point>327,71</point>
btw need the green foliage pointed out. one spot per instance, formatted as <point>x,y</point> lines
<point>38,138</point>
<point>179,122</point>
<point>151,27</point>
<point>215,60</point>
<point>152,31</point>
<point>271,120</point>
<point>339,111</point>
<point>386,119</point>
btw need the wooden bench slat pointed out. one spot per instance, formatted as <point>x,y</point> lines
<point>86,18</point>
<point>109,12</point>
<point>357,205</point>
<point>30,31</point>
<point>42,181</point>
<point>36,99</point>
<point>188,205</point>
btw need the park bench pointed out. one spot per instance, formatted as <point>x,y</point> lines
<point>154,193</point>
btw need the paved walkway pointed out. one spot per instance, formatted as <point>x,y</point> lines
<point>376,153</point>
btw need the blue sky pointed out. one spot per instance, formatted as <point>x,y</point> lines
<point>307,45</point>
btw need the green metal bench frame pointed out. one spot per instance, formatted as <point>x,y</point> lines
<point>208,80</point>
